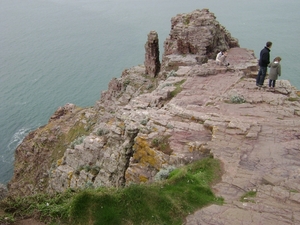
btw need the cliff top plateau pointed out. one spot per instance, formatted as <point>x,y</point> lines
<point>172,112</point>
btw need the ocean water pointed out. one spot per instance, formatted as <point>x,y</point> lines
<point>54,52</point>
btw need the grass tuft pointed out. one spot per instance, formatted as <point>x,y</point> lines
<point>248,196</point>
<point>165,202</point>
<point>178,88</point>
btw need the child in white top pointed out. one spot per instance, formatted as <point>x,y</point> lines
<point>221,58</point>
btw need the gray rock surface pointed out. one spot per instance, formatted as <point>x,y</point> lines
<point>192,109</point>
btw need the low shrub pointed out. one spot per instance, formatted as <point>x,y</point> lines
<point>78,141</point>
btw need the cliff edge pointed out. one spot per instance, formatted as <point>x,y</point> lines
<point>158,116</point>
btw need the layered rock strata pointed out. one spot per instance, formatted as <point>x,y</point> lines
<point>195,37</point>
<point>192,109</point>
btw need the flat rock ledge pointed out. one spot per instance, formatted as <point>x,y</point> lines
<point>259,143</point>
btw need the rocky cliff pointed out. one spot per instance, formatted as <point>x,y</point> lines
<point>160,116</point>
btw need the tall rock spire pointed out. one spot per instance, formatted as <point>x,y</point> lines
<point>152,63</point>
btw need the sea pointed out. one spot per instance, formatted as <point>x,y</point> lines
<point>54,52</point>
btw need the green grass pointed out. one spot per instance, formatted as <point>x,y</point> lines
<point>45,207</point>
<point>162,144</point>
<point>166,202</point>
<point>293,99</point>
<point>178,88</point>
<point>248,196</point>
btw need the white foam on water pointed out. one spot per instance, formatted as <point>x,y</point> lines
<point>18,137</point>
<point>7,156</point>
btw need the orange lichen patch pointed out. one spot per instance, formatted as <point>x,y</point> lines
<point>129,176</point>
<point>143,179</point>
<point>111,121</point>
<point>132,175</point>
<point>121,125</point>
<point>191,148</point>
<point>144,154</point>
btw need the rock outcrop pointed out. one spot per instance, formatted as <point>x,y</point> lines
<point>152,63</point>
<point>43,149</point>
<point>195,37</point>
<point>192,109</point>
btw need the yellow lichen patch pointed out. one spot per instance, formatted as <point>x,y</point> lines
<point>70,175</point>
<point>193,118</point>
<point>214,131</point>
<point>154,129</point>
<point>191,148</point>
<point>111,121</point>
<point>121,125</point>
<point>143,179</point>
<point>59,162</point>
<point>144,154</point>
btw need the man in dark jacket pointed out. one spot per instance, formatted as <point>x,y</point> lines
<point>264,61</point>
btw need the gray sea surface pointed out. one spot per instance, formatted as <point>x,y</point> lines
<point>54,52</point>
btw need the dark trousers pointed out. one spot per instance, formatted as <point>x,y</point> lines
<point>272,83</point>
<point>261,75</point>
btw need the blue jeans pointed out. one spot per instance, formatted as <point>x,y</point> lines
<point>261,75</point>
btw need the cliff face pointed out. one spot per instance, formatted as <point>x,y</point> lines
<point>43,149</point>
<point>195,37</point>
<point>144,124</point>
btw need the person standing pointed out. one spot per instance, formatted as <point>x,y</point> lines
<point>264,61</point>
<point>275,71</point>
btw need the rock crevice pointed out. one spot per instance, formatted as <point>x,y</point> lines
<point>154,117</point>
